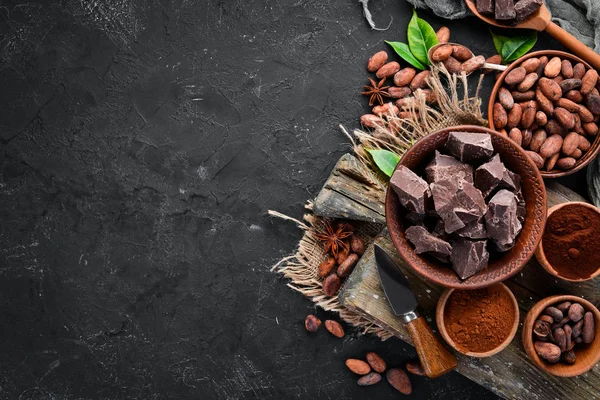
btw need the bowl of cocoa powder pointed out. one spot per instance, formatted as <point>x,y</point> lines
<point>480,322</point>
<point>569,248</point>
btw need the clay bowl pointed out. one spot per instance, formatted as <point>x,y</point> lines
<point>541,257</point>
<point>439,316</point>
<point>586,356</point>
<point>502,265</point>
<point>591,153</point>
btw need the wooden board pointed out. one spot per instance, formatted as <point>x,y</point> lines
<point>509,374</point>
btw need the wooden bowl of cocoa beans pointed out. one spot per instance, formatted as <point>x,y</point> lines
<point>561,335</point>
<point>548,102</point>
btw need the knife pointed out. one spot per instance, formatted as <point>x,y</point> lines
<point>435,358</point>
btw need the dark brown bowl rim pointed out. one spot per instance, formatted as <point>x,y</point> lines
<point>595,148</point>
<point>420,266</point>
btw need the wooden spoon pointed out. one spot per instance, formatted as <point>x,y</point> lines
<point>540,21</point>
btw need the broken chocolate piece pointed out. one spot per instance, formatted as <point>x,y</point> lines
<point>485,6</point>
<point>524,8</point>
<point>501,220</point>
<point>413,192</point>
<point>473,230</point>
<point>414,218</point>
<point>489,175</point>
<point>469,257</point>
<point>457,203</point>
<point>439,230</point>
<point>425,242</point>
<point>444,167</point>
<point>510,181</point>
<point>505,10</point>
<point>469,146</point>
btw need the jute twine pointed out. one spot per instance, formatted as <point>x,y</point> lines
<point>454,106</point>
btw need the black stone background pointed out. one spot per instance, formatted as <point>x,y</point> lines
<point>142,143</point>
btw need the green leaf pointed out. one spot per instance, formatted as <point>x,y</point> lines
<point>518,46</point>
<point>499,41</point>
<point>421,37</point>
<point>403,51</point>
<point>385,160</point>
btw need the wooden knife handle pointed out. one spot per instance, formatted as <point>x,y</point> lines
<point>435,358</point>
<point>574,44</point>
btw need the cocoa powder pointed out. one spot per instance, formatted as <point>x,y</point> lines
<point>479,320</point>
<point>570,241</point>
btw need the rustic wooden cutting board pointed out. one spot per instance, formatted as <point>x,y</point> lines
<point>509,374</point>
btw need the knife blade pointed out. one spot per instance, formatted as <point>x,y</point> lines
<point>435,358</point>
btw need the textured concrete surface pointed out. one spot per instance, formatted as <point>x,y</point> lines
<point>141,144</point>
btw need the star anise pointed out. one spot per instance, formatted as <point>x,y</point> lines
<point>334,237</point>
<point>377,91</point>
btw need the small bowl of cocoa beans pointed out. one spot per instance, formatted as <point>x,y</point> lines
<point>548,102</point>
<point>561,335</point>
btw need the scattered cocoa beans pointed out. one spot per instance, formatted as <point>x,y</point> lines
<point>359,367</point>
<point>415,368</point>
<point>548,351</point>
<point>399,380</point>
<point>388,70</point>
<point>371,121</point>
<point>347,266</point>
<point>377,61</point>
<point>376,362</point>
<point>461,53</point>
<point>357,245</point>
<point>331,284</point>
<point>326,266</point>
<point>442,53</point>
<point>405,76</point>
<point>312,323</point>
<point>443,34</point>
<point>369,379</point>
<point>335,328</point>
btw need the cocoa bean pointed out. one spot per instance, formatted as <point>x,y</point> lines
<point>568,104</point>
<point>500,117</point>
<point>342,254</point>
<point>593,103</point>
<point>359,367</point>
<point>589,330</point>
<point>515,76</point>
<point>452,65</point>
<point>335,328</point>
<point>472,64</point>
<point>552,69</point>
<point>399,92</point>
<point>564,306</point>
<point>405,102</point>
<point>590,128</point>
<point>326,266</point>
<point>527,135</point>
<point>550,88</point>
<point>405,76</point>
<point>377,61</point>
<point>544,103</point>
<point>553,128</point>
<point>369,379</point>
<point>550,164</point>
<point>495,59</point>
<point>542,66</point>
<point>554,312</point>
<point>585,114</point>
<point>528,115</point>
<point>541,330</point>
<point>514,116</point>
<point>420,80</point>
<point>558,79</point>
<point>577,128</point>
<point>503,132</point>
<point>415,368</point>
<point>371,121</point>
<point>376,362</point>
<point>347,266</point>
<point>574,96</point>
<point>441,53</point>
<point>579,340</point>
<point>588,82</point>
<point>568,337</point>
<point>536,158</point>
<point>570,84</point>
<point>505,98</point>
<point>385,110</point>
<point>584,145</point>
<point>516,136</point>
<point>578,328</point>
<point>399,380</point>
<point>430,96</point>
<point>531,64</point>
<point>522,96</point>
<point>388,70</point>
<point>540,118</point>
<point>461,53</point>
<point>564,118</point>
<point>551,146</point>
<point>547,351</point>
<point>566,163</point>
<point>331,284</point>
<point>570,143</point>
<point>566,69</point>
<point>443,35</point>
<point>546,318</point>
<point>560,338</point>
<point>312,323</point>
<point>578,71</point>
<point>563,321</point>
<point>576,312</point>
<point>357,245</point>
<point>528,82</point>
<point>577,154</point>
<point>569,357</point>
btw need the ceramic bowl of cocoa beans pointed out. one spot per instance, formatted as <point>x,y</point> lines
<point>548,102</point>
<point>561,335</point>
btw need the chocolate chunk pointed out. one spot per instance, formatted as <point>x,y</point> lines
<point>469,257</point>
<point>524,8</point>
<point>413,192</point>
<point>415,219</point>
<point>439,230</point>
<point>425,242</point>
<point>457,203</point>
<point>474,230</point>
<point>501,220</point>
<point>470,147</point>
<point>489,175</point>
<point>505,10</point>
<point>510,181</point>
<point>444,167</point>
<point>485,6</point>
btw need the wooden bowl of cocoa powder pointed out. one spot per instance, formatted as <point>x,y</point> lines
<point>569,248</point>
<point>478,323</point>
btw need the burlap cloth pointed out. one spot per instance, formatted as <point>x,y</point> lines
<point>454,107</point>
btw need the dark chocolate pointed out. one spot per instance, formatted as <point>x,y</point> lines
<point>444,167</point>
<point>469,146</point>
<point>413,192</point>
<point>469,256</point>
<point>501,220</point>
<point>474,230</point>
<point>425,242</point>
<point>457,203</point>
<point>524,8</point>
<point>489,175</point>
<point>485,6</point>
<point>505,10</point>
